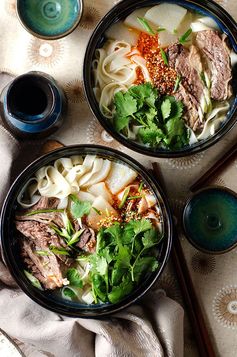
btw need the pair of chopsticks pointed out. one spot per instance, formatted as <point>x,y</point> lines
<point>204,343</point>
<point>197,320</point>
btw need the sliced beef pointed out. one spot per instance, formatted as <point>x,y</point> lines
<point>217,57</point>
<point>39,236</point>
<point>45,268</point>
<point>45,203</point>
<point>188,65</point>
<point>87,241</point>
<point>47,218</point>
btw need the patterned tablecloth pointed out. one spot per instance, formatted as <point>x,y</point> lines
<point>213,276</point>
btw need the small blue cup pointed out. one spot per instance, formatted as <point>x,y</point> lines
<point>33,105</point>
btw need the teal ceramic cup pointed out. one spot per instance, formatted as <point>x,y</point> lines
<point>49,19</point>
<point>210,220</point>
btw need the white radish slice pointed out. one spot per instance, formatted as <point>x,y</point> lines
<point>132,22</point>
<point>119,177</point>
<point>85,196</point>
<point>104,210</point>
<point>100,189</point>
<point>120,32</point>
<point>208,21</point>
<point>166,15</point>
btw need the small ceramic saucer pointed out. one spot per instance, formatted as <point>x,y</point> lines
<point>210,220</point>
<point>49,19</point>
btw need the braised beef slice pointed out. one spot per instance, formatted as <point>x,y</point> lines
<point>87,241</point>
<point>188,65</point>
<point>216,55</point>
<point>45,203</point>
<point>38,236</point>
<point>47,218</point>
<point>44,268</point>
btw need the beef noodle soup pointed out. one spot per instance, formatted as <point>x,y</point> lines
<point>89,229</point>
<point>163,76</point>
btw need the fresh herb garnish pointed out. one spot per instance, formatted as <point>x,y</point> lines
<point>158,117</point>
<point>125,195</point>
<point>43,252</point>
<point>123,257</point>
<point>184,38</point>
<point>145,25</point>
<point>161,29</point>
<point>140,187</point>
<point>32,213</point>
<point>177,82</point>
<point>68,293</point>
<point>34,281</point>
<point>74,278</point>
<point>59,251</point>
<point>134,197</point>
<point>75,237</point>
<point>79,208</point>
<point>97,210</point>
<point>164,56</point>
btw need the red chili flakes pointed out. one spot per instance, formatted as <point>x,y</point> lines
<point>163,77</point>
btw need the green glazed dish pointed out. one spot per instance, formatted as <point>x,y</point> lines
<point>49,19</point>
<point>209,220</point>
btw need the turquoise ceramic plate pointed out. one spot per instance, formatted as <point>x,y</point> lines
<point>210,219</point>
<point>49,19</point>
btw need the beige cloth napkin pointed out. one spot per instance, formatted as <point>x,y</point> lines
<point>153,327</point>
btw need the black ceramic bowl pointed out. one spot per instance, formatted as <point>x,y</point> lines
<point>10,244</point>
<point>119,12</point>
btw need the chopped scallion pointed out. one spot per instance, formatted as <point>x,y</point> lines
<point>43,211</point>
<point>96,210</point>
<point>34,281</point>
<point>164,57</point>
<point>134,197</point>
<point>58,251</point>
<point>145,25</point>
<point>184,37</point>
<point>43,252</point>
<point>178,80</point>
<point>161,29</point>
<point>76,237</point>
<point>140,187</point>
<point>125,195</point>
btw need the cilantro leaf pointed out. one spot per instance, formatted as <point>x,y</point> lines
<point>151,135</point>
<point>176,133</point>
<point>74,278</point>
<point>144,265</point>
<point>140,226</point>
<point>119,292</point>
<point>166,108</point>
<point>99,264</point>
<point>150,238</point>
<point>125,104</point>
<point>121,122</point>
<point>79,208</point>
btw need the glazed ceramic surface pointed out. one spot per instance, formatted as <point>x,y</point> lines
<point>33,105</point>
<point>120,12</point>
<point>10,244</point>
<point>210,220</point>
<point>49,18</point>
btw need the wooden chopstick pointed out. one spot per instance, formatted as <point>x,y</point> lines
<point>204,343</point>
<point>220,165</point>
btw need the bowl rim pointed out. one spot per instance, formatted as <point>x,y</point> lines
<point>184,216</point>
<point>48,37</point>
<point>8,255</point>
<point>209,6</point>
